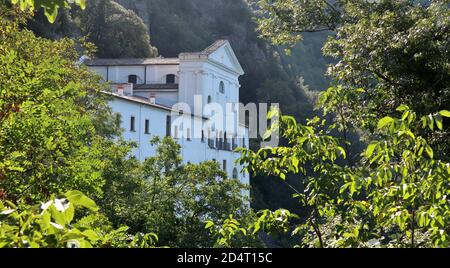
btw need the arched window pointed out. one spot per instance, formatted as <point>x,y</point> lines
<point>222,87</point>
<point>209,99</point>
<point>235,173</point>
<point>132,79</point>
<point>170,79</point>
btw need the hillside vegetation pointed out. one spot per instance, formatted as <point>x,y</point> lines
<point>370,170</point>
<point>176,26</point>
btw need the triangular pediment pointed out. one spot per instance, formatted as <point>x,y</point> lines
<point>224,55</point>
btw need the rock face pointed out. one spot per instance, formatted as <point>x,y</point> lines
<point>179,25</point>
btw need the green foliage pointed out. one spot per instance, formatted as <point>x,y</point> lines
<point>52,225</point>
<point>231,233</point>
<point>54,119</point>
<point>396,50</point>
<point>311,152</point>
<point>50,7</point>
<point>395,196</point>
<point>227,233</point>
<point>172,199</point>
<point>405,186</point>
<point>117,32</point>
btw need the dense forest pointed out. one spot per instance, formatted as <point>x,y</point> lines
<point>367,167</point>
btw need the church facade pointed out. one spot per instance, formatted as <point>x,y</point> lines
<point>193,98</point>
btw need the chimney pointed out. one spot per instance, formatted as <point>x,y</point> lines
<point>120,89</point>
<point>152,99</point>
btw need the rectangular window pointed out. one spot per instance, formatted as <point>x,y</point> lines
<point>147,126</point>
<point>224,165</point>
<point>203,136</point>
<point>132,124</point>
<point>168,126</point>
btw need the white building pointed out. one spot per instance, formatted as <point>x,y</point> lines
<point>181,97</point>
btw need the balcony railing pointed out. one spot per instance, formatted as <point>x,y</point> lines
<point>227,146</point>
<point>234,146</point>
<point>219,144</point>
<point>211,144</point>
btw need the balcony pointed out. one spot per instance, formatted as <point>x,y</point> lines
<point>220,145</point>
<point>227,146</point>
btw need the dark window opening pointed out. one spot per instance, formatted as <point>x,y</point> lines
<point>170,79</point>
<point>224,165</point>
<point>168,125</point>
<point>132,79</point>
<point>209,99</point>
<point>222,87</point>
<point>147,126</point>
<point>235,173</point>
<point>132,124</point>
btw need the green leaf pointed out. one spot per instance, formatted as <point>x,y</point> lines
<point>51,12</point>
<point>81,3</point>
<point>402,108</point>
<point>91,235</point>
<point>438,120</point>
<point>445,113</point>
<point>69,213</point>
<point>429,151</point>
<point>342,152</point>
<point>353,187</point>
<point>370,149</point>
<point>209,224</point>
<point>385,121</point>
<point>267,134</point>
<point>77,198</point>
<point>274,112</point>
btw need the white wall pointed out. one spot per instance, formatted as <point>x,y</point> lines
<point>195,76</point>
<point>194,151</point>
<point>141,112</point>
<point>156,74</point>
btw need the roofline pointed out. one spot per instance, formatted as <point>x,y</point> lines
<point>148,64</point>
<point>158,106</point>
<point>217,64</point>
<point>204,55</point>
<point>175,61</point>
